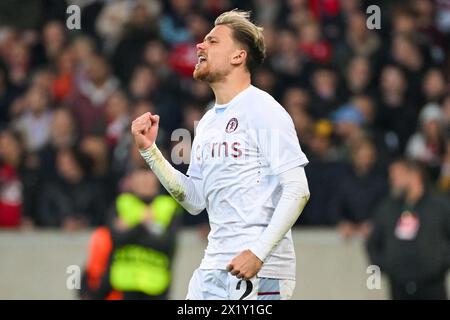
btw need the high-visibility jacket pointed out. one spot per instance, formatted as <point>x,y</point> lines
<point>135,263</point>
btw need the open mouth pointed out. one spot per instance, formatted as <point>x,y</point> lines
<point>201,59</point>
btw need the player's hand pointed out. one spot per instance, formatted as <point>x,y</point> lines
<point>145,130</point>
<point>245,265</point>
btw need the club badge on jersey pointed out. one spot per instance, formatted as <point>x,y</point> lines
<point>231,125</point>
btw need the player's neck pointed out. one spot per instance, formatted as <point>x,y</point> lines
<point>225,91</point>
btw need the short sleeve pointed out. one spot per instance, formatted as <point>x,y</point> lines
<point>277,138</point>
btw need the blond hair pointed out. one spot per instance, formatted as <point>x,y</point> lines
<point>247,34</point>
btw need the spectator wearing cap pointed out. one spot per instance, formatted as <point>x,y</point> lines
<point>323,171</point>
<point>348,124</point>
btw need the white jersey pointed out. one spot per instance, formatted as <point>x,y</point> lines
<point>238,154</point>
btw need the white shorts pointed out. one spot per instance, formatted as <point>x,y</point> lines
<point>222,285</point>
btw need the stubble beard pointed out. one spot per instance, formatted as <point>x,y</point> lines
<point>208,76</point>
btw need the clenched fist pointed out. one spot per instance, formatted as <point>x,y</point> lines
<point>245,265</point>
<point>145,130</point>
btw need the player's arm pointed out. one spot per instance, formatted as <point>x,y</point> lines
<point>184,189</point>
<point>294,196</point>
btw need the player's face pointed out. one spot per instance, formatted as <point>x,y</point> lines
<point>215,55</point>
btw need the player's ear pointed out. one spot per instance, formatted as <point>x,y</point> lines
<point>239,57</point>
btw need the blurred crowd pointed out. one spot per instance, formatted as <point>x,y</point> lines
<point>359,98</point>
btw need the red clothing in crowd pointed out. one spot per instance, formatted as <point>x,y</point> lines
<point>10,197</point>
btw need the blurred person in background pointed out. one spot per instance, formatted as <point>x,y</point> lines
<point>174,21</point>
<point>434,86</point>
<point>359,189</point>
<point>325,94</point>
<point>322,172</point>
<point>11,186</point>
<point>131,257</point>
<point>295,99</point>
<point>7,94</point>
<point>156,55</point>
<point>146,85</point>
<point>89,97</point>
<point>43,78</point>
<point>406,53</point>
<point>142,26</point>
<point>288,62</point>
<point>348,126</point>
<point>427,145</point>
<point>312,44</point>
<point>71,201</point>
<point>18,59</point>
<point>358,40</point>
<point>446,113</point>
<point>396,113</point>
<point>410,239</point>
<point>444,175</point>
<point>62,84</point>
<point>358,77</point>
<point>97,149</point>
<point>295,13</point>
<point>52,43</point>
<point>63,134</point>
<point>83,50</point>
<point>427,28</point>
<point>34,122</point>
<point>117,117</point>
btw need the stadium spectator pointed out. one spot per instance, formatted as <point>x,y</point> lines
<point>427,145</point>
<point>87,100</point>
<point>358,76</point>
<point>7,94</point>
<point>140,28</point>
<point>312,44</point>
<point>410,238</point>
<point>444,175</point>
<point>54,39</point>
<point>325,95</point>
<point>34,121</point>
<point>174,22</point>
<point>396,114</point>
<point>359,188</point>
<point>62,84</point>
<point>433,86</point>
<point>358,40</point>
<point>72,200</point>
<point>116,116</point>
<point>11,186</point>
<point>62,134</point>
